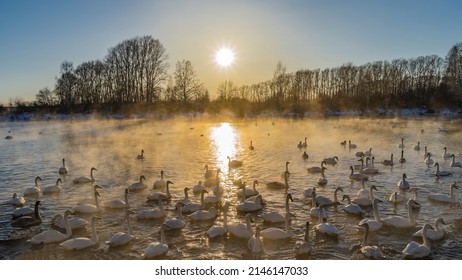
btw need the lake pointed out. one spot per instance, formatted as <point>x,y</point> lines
<point>182,147</point>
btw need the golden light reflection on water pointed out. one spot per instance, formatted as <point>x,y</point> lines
<point>225,141</point>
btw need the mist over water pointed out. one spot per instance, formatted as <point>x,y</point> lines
<point>182,147</point>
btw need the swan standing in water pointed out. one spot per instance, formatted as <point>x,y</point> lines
<point>138,186</point>
<point>316,169</point>
<point>54,189</point>
<point>388,162</point>
<point>159,184</point>
<point>178,221</point>
<point>80,243</point>
<point>118,203</point>
<point>375,224</point>
<point>403,185</point>
<point>53,236</point>
<point>215,230</point>
<point>352,208</point>
<point>440,197</point>
<point>85,179</point>
<point>303,247</point>
<point>140,156</point>
<point>156,249</point>
<point>63,169</point>
<point>417,250</point>
<point>325,227</point>
<point>164,196</point>
<point>29,220</point>
<point>401,222</point>
<point>234,163</point>
<point>90,208</point>
<point>434,234</point>
<point>368,250</point>
<point>241,230</point>
<point>36,190</point>
<point>279,185</point>
<point>441,173</point>
<point>277,233</point>
<point>18,201</point>
<point>122,238</point>
<point>276,217</point>
<point>153,213</point>
<point>454,163</point>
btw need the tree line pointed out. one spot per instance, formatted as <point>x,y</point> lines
<point>135,71</point>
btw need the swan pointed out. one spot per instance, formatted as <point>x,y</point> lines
<point>159,184</point>
<point>332,160</point>
<point>89,200</point>
<point>213,181</point>
<point>140,156</point>
<point>401,222</point>
<point>241,230</point>
<point>251,147</point>
<point>325,201</point>
<point>197,189</point>
<point>402,159</point>
<point>403,184</point>
<point>53,189</point>
<point>90,208</point>
<point>445,154</point>
<point>368,250</point>
<point>74,222</point>
<point>441,173</point>
<point>118,203</point>
<point>426,152</point>
<point>214,199</point>
<point>369,169</point>
<point>29,220</point>
<point>343,143</point>
<point>375,224</point>
<point>417,250</point>
<point>248,192</point>
<point>52,235</point>
<point>322,181</point>
<point>36,190</point>
<point>63,169</point>
<point>359,154</point>
<point>325,227</point>
<point>156,249</point>
<point>84,179</point>
<point>439,197</point>
<point>388,162</point>
<point>277,233</point>
<point>417,147</point>
<point>402,144</point>
<point>80,243</point>
<point>18,201</point>
<point>454,163</point>
<point>434,234</point>
<point>396,198</point>
<point>305,155</point>
<point>215,230</point>
<point>154,213</point>
<point>279,185</point>
<point>368,153</point>
<point>352,208</point>
<point>185,200</point>
<point>193,207</point>
<point>357,176</point>
<point>315,210</point>
<point>24,211</point>
<point>366,201</point>
<point>316,169</point>
<point>359,167</point>
<point>255,244</point>
<point>234,163</point>
<point>138,186</point>
<point>428,160</point>
<point>283,174</point>
<point>300,145</point>
<point>350,145</point>
<point>251,206</point>
<point>204,215</point>
<point>209,173</point>
<point>276,217</point>
<point>178,221</point>
<point>122,238</point>
<point>362,192</point>
<point>164,196</point>
<point>303,247</point>
<point>304,145</point>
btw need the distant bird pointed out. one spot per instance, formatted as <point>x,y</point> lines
<point>402,159</point>
<point>417,147</point>
<point>351,145</point>
<point>251,147</point>
<point>403,184</point>
<point>138,186</point>
<point>402,144</point>
<point>63,169</point>
<point>305,155</point>
<point>388,162</point>
<point>234,163</point>
<point>446,155</point>
<point>454,163</point>
<point>160,183</point>
<point>140,156</point>
<point>439,172</point>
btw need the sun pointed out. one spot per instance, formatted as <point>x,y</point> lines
<point>224,57</point>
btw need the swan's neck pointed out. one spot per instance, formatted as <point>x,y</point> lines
<point>249,226</point>
<point>186,194</point>
<point>161,176</point>
<point>411,215</point>
<point>451,192</point>
<point>96,200</point>
<point>94,235</point>
<point>351,168</point>
<point>307,234</point>
<point>366,233</point>
<point>91,175</point>
<point>179,213</point>
<point>426,241</point>
<point>287,224</point>
<point>129,225</point>
<point>162,236</point>
<point>225,217</point>
<point>243,194</point>
<point>335,196</point>
<point>37,212</point>
<point>286,181</point>
<point>161,206</point>
<point>203,201</point>
<point>313,199</point>
<point>375,212</point>
<point>126,200</point>
<point>64,163</point>
<point>68,226</point>
<point>371,194</point>
<point>287,204</point>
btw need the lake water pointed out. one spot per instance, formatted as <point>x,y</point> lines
<point>182,147</point>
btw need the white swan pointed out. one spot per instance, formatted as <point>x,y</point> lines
<point>279,185</point>
<point>375,224</point>
<point>331,161</point>
<point>53,236</point>
<point>440,197</point>
<point>454,163</point>
<point>121,238</point>
<point>85,179</point>
<point>428,160</point>
<point>213,181</point>
<point>140,156</point>
<point>276,217</point>
<point>24,211</point>
<point>215,230</point>
<point>251,206</point>
<point>197,189</point>
<point>402,159</point>
<point>388,162</point>
<point>365,201</point>
<point>204,215</point>
<point>370,169</point>
<point>426,152</point>
<point>368,250</point>
<point>53,189</point>
<point>63,169</point>
<point>209,173</point>
<point>156,249</point>
<point>417,250</point>
<point>75,222</point>
<point>18,201</point>
<point>274,233</point>
<point>286,172</point>
<point>357,176</point>
<point>178,221</point>
<point>193,207</point>
<point>241,230</point>
<point>362,192</point>
<point>303,247</point>
<point>255,244</point>
<point>138,186</point>
<point>401,222</point>
<point>322,181</point>
<point>118,203</point>
<point>90,208</point>
<point>417,147</point>
<point>350,145</point>
<point>185,200</point>
<point>234,163</point>
<point>403,184</point>
<point>315,210</point>
<point>29,220</point>
<point>325,201</point>
<point>441,173</point>
<point>164,196</point>
<point>434,234</point>
<point>368,153</point>
<point>80,243</point>
<point>36,190</point>
<point>154,213</point>
<point>316,169</point>
<point>325,227</point>
<point>249,192</point>
<point>445,154</point>
<point>352,208</point>
<point>160,183</point>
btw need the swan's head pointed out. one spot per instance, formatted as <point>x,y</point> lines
<point>38,203</point>
<point>440,221</point>
<point>128,212</point>
<point>67,213</point>
<point>412,202</point>
<point>142,178</point>
<point>445,148</point>
<point>59,181</point>
<point>404,176</point>
<point>187,189</point>
<point>345,196</point>
<point>93,169</point>
<point>373,187</point>
<point>255,182</point>
<point>339,189</point>
<point>426,227</point>
<point>97,194</point>
<point>126,191</point>
<point>454,185</point>
<point>365,226</point>
<point>289,196</point>
<point>38,178</point>
<point>169,183</point>
<point>204,191</point>
<point>95,187</point>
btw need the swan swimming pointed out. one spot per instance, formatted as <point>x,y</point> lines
<point>446,155</point>
<point>279,185</point>
<point>18,201</point>
<point>118,203</point>
<point>440,197</point>
<point>204,215</point>
<point>63,169</point>
<point>90,208</point>
<point>442,172</point>
<point>325,201</point>
<point>352,208</point>
<point>276,217</point>
<point>197,189</point>
<point>140,156</point>
<point>331,161</point>
<point>164,196</point>
<point>215,230</point>
<point>403,184</point>
<point>303,247</point>
<point>53,236</point>
<point>325,227</point>
<point>159,184</point>
<point>193,207</point>
<point>274,233</point>
<point>454,163</point>
<point>74,222</point>
<point>375,224</point>
<point>251,206</point>
<point>209,173</point>
<point>365,201</point>
<point>434,234</point>
<point>29,220</point>
<point>402,159</point>
<point>286,172</point>
<point>178,221</point>
<point>121,238</point>
<point>234,163</point>
<point>138,186</point>
<point>80,243</point>
<point>368,250</point>
<point>417,250</point>
<point>248,192</point>
<point>153,213</point>
<point>315,210</point>
<point>322,181</point>
<point>251,147</point>
<point>428,160</point>
<point>156,249</point>
<point>316,169</point>
<point>401,222</point>
<point>255,244</point>
<point>36,190</point>
<point>54,189</point>
<point>388,162</point>
<point>357,176</point>
<point>242,230</point>
<point>85,179</point>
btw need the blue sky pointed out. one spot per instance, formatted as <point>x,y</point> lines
<point>37,36</point>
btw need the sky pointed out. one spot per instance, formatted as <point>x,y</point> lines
<point>36,36</point>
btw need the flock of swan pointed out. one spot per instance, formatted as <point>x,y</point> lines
<point>275,225</point>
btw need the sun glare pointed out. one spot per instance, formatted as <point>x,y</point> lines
<point>224,57</point>
<point>224,139</point>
